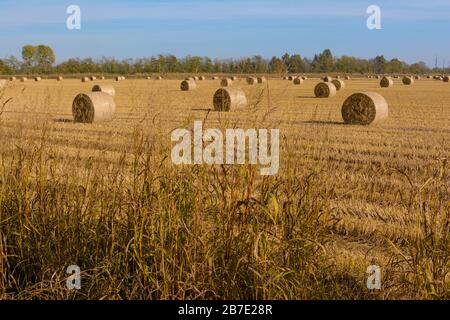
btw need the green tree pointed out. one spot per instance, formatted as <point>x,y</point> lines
<point>28,57</point>
<point>44,58</point>
<point>323,62</point>
<point>379,64</point>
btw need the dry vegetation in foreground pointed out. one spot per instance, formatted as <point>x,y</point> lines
<point>106,196</point>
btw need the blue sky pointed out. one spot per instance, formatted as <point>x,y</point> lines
<point>411,30</point>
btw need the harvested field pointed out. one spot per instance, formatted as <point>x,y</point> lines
<point>345,197</point>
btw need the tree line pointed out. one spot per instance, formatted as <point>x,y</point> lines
<point>41,60</point>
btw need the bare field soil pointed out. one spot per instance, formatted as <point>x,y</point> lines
<point>107,197</point>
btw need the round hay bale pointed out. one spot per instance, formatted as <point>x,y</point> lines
<point>158,78</point>
<point>417,77</point>
<point>407,81</point>
<point>23,79</point>
<point>226,82</point>
<point>37,79</point>
<point>189,78</point>
<point>188,85</point>
<point>229,99</point>
<point>149,78</point>
<point>325,90</point>
<point>338,77</point>
<point>298,81</point>
<point>304,78</point>
<point>196,78</point>
<point>446,79</point>
<point>234,78</point>
<point>202,78</point>
<point>59,78</point>
<point>365,108</point>
<point>327,79</point>
<point>386,82</point>
<point>290,78</point>
<point>262,80</point>
<point>215,78</point>
<point>93,78</point>
<point>12,79</point>
<point>347,78</point>
<point>118,78</point>
<point>104,88</point>
<point>252,80</point>
<point>93,107</point>
<point>85,79</point>
<point>339,84</point>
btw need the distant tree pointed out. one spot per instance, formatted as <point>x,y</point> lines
<point>395,66</point>
<point>277,65</point>
<point>419,68</point>
<point>324,62</point>
<point>379,64</point>
<point>28,57</point>
<point>13,64</point>
<point>4,68</point>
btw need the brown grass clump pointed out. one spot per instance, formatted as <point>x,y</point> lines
<point>105,88</point>
<point>226,82</point>
<point>339,84</point>
<point>93,107</point>
<point>387,82</point>
<point>298,81</point>
<point>407,81</point>
<point>188,85</point>
<point>229,99</point>
<point>365,108</point>
<point>325,90</point>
